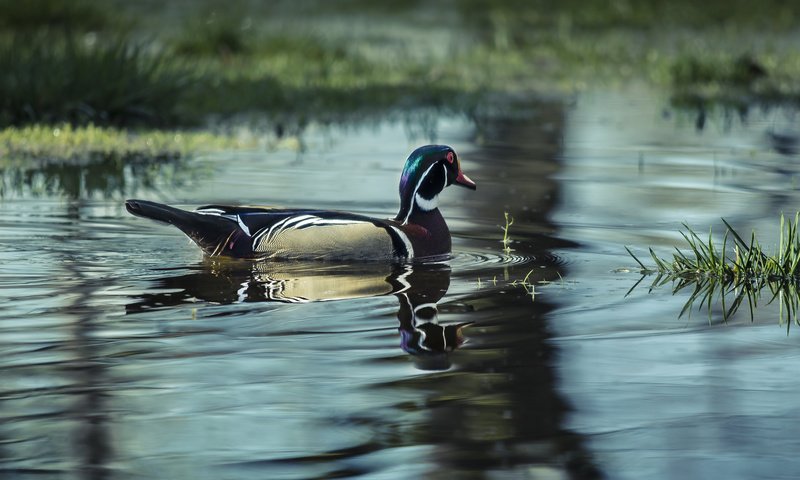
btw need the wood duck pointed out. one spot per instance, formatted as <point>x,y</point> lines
<point>418,231</point>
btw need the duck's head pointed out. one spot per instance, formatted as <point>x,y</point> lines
<point>428,171</point>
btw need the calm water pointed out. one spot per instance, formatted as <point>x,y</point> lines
<point>125,354</point>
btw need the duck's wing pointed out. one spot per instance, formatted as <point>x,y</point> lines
<point>314,234</point>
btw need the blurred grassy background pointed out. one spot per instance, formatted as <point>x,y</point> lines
<point>180,63</point>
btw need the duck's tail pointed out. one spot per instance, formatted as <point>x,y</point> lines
<point>211,233</point>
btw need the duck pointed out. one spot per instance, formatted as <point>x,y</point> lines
<point>418,232</point>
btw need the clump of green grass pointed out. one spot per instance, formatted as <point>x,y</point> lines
<point>52,78</point>
<point>92,161</point>
<point>741,260</point>
<point>66,143</point>
<point>734,271</point>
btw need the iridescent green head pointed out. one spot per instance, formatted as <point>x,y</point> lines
<point>427,172</point>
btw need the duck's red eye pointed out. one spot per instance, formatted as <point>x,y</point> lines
<point>450,157</point>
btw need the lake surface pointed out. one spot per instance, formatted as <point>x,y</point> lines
<point>125,354</point>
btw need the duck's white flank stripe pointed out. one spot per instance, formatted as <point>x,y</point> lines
<point>307,221</point>
<point>265,231</point>
<point>295,222</point>
<point>292,221</point>
<point>413,197</point>
<point>268,234</point>
<point>268,231</point>
<point>406,241</point>
<point>242,225</point>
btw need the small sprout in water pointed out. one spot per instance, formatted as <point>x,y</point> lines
<point>525,280</point>
<point>506,238</point>
<point>530,288</point>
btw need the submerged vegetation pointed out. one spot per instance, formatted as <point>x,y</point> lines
<point>735,271</point>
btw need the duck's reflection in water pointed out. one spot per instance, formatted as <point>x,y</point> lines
<point>421,334</point>
<point>418,289</point>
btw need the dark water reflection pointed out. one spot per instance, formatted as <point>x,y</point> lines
<point>125,354</point>
<point>417,288</point>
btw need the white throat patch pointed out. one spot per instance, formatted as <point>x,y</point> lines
<point>423,203</point>
<point>426,205</point>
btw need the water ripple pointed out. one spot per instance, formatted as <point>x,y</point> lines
<point>478,260</point>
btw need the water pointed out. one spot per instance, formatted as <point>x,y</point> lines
<point>125,354</point>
